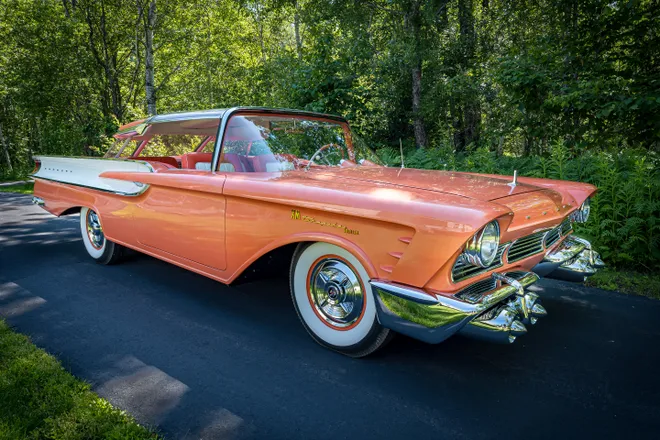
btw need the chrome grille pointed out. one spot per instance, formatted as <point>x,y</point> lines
<point>474,292</point>
<point>462,270</point>
<point>552,236</point>
<point>566,227</point>
<point>526,246</point>
<point>516,274</point>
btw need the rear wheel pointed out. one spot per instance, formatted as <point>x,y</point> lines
<point>102,250</point>
<point>333,299</point>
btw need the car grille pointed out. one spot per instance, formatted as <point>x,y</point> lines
<point>526,246</point>
<point>555,234</point>
<point>464,270</point>
<point>552,236</point>
<point>566,227</point>
<point>474,292</point>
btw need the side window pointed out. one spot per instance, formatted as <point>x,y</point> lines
<point>171,145</point>
<point>119,150</point>
<point>208,145</point>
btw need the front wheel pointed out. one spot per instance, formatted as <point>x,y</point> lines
<point>333,299</point>
<point>98,247</point>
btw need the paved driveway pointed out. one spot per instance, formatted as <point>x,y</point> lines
<point>200,359</point>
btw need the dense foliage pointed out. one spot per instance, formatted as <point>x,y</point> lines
<point>557,88</point>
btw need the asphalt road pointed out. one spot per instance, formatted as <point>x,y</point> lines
<point>202,360</point>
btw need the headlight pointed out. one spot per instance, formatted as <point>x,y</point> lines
<point>582,214</point>
<point>481,250</point>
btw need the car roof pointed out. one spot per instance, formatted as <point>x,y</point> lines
<point>141,124</point>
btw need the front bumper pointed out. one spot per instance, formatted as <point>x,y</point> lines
<point>573,260</point>
<point>498,314</point>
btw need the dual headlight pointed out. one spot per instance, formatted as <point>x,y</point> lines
<point>481,250</point>
<point>581,215</point>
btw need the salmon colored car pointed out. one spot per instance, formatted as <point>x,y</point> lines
<point>370,250</point>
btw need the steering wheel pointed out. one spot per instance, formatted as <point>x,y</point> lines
<point>323,148</point>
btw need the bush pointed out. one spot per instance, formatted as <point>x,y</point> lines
<point>625,213</point>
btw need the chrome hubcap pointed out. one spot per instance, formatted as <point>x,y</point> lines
<point>336,292</point>
<point>94,230</point>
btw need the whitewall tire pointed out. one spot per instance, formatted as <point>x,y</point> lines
<point>102,250</point>
<point>332,296</point>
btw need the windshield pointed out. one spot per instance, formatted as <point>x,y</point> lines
<point>264,143</point>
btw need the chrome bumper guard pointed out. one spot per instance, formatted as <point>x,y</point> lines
<point>573,260</point>
<point>499,315</point>
<point>38,201</point>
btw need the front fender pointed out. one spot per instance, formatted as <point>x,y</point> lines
<point>303,237</point>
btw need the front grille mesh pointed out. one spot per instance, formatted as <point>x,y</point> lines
<point>464,270</point>
<point>553,236</point>
<point>474,292</point>
<point>560,231</point>
<point>566,227</point>
<point>526,246</point>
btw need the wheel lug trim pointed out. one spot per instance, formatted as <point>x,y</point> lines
<point>336,292</point>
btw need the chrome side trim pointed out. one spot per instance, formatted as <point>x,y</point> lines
<point>408,293</point>
<point>120,193</point>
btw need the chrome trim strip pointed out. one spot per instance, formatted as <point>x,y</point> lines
<point>144,188</point>
<point>409,293</point>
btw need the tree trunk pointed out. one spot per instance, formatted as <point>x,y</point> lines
<point>412,21</point>
<point>472,107</point>
<point>296,28</point>
<point>150,88</point>
<point>5,148</point>
<point>418,121</point>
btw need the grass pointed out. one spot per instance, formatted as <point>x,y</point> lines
<point>22,188</point>
<point>39,399</point>
<point>629,282</point>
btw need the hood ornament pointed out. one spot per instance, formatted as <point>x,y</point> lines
<point>514,183</point>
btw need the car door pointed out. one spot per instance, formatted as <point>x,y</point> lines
<point>182,215</point>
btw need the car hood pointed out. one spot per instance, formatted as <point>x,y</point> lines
<point>472,186</point>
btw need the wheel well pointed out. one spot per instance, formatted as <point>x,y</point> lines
<point>273,264</point>
<point>69,211</point>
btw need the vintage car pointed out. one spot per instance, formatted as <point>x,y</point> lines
<point>370,250</point>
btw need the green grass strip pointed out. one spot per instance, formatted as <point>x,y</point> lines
<point>23,188</point>
<point>39,399</point>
